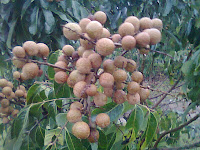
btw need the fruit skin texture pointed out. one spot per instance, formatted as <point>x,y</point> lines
<point>43,50</point>
<point>79,89</point>
<point>131,65</point>
<point>74,115</point>
<point>133,99</point>
<point>108,66</point>
<point>91,90</point>
<point>16,75</point>
<point>128,42</point>
<point>85,43</point>
<point>94,29</point>
<point>142,39</point>
<point>61,64</point>
<point>95,60</point>
<point>94,136</point>
<point>31,48</point>
<point>5,103</point>
<point>157,23</point>
<point>105,46</point>
<point>87,53</point>
<point>19,51</point>
<point>106,80</point>
<point>61,77</point>
<point>15,112</point>
<point>100,16</point>
<point>144,94</point>
<point>75,77</point>
<point>146,23</point>
<point>30,70</point>
<point>126,29</point>
<point>116,38</point>
<point>120,75</point>
<point>7,90</point>
<point>137,76</point>
<point>108,92</point>
<point>100,99</point>
<point>5,120</point>
<point>105,33</point>
<point>71,35</point>
<point>83,23</point>
<point>3,82</point>
<point>18,63</point>
<point>68,50</point>
<point>19,93</point>
<point>134,21</point>
<point>83,65</point>
<point>81,130</point>
<point>119,97</point>
<point>76,105</point>
<point>133,87</point>
<point>155,35</point>
<point>120,62</point>
<point>102,120</point>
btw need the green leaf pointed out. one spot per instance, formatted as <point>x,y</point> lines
<point>168,7</point>
<point>33,94</point>
<point>52,60</point>
<point>25,7</point>
<point>49,134</point>
<point>49,21</point>
<point>61,90</point>
<point>111,139</point>
<point>61,119</point>
<point>102,142</point>
<point>66,4</point>
<point>187,67</point>
<point>60,14</point>
<point>39,136</point>
<point>34,21</point>
<point>5,1</point>
<point>10,33</point>
<point>44,4</point>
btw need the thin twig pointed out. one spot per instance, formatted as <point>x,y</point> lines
<point>161,53</point>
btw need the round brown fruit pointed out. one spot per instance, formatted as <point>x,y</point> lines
<point>21,87</point>
<point>10,84</point>
<point>137,76</point>
<point>105,33</point>
<point>144,94</point>
<point>83,65</point>
<point>18,63</point>
<point>145,23</point>
<point>2,96</point>
<point>74,115</point>
<point>23,77</point>
<point>85,43</point>
<point>16,75</point>
<point>133,87</point>
<point>15,112</point>
<point>60,64</point>
<point>108,92</point>
<point>68,50</point>
<point>116,38</point>
<point>100,99</point>
<point>134,21</point>
<point>75,77</point>
<point>91,90</point>
<point>30,70</point>
<point>128,42</point>
<point>63,58</point>
<point>75,56</point>
<point>131,65</point>
<point>19,93</point>
<point>142,39</point>
<point>100,16</point>
<point>40,72</point>
<point>120,61</point>
<point>119,85</point>
<point>157,23</point>
<point>108,66</point>
<point>3,82</point>
<point>5,120</point>
<point>7,90</point>
<point>87,53</point>
<point>79,89</point>
<point>94,29</point>
<point>43,50</point>
<point>119,96</point>
<point>94,136</point>
<point>81,130</point>
<point>11,96</point>
<point>106,80</point>
<point>105,46</point>
<point>95,60</point>
<point>144,50</point>
<point>19,51</point>
<point>72,31</point>
<point>83,23</point>
<point>5,103</point>
<point>61,77</point>
<point>155,35</point>
<point>80,50</point>
<point>120,75</point>
<point>133,99</point>
<point>76,105</point>
<point>126,29</point>
<point>103,120</point>
<point>31,48</point>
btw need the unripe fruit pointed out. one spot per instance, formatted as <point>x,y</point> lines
<point>61,77</point>
<point>76,105</point>
<point>43,50</point>
<point>119,97</point>
<point>74,115</point>
<point>7,90</point>
<point>5,103</point>
<point>137,76</point>
<point>133,87</point>
<point>100,16</point>
<point>103,120</point>
<point>5,120</point>
<point>146,23</point>
<point>108,92</point>
<point>106,80</point>
<point>21,87</point>
<point>133,99</point>
<point>100,99</point>
<point>83,65</point>
<point>144,94</point>
<point>85,43</point>
<point>30,70</point>
<point>94,29</point>
<point>83,23</point>
<point>87,53</point>
<point>119,85</point>
<point>10,84</point>
<point>18,63</point>
<point>155,35</point>
<point>120,61</point>
<point>19,93</point>
<point>15,112</point>
<point>131,65</point>
<point>81,130</point>
<point>142,39</point>
<point>81,50</point>
<point>94,136</point>
<point>16,75</point>
<point>31,48</point>
<point>70,31</point>
<point>126,29</point>
<point>19,51</point>
<point>128,42</point>
<point>75,77</point>
<point>108,66</point>
<point>116,38</point>
<point>134,21</point>
<point>105,46</point>
<point>60,64</point>
<point>11,96</point>
<point>68,50</point>
<point>79,89</point>
<point>95,60</point>
<point>105,33</point>
<point>157,23</point>
<point>3,82</point>
<point>91,90</point>
<point>120,75</point>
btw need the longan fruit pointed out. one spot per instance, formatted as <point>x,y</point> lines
<point>119,96</point>
<point>70,31</point>
<point>3,82</point>
<point>157,23</point>
<point>91,17</point>
<point>16,75</point>
<point>144,50</point>
<point>91,90</point>
<point>80,50</point>
<point>10,110</point>
<point>95,60</point>
<point>2,96</point>
<point>76,105</point>
<point>105,33</point>
<point>19,52</point>
<point>142,39</point>
<point>14,113</point>
<point>137,76</point>
<point>4,110</point>
<point>30,70</point>
<point>31,48</point>
<point>61,77</point>
<point>75,56</point>
<point>155,35</point>
<point>134,21</point>
<point>7,90</point>
<point>5,120</point>
<point>81,130</point>
<point>40,72</point>
<point>23,77</point>
<point>21,87</point>
<point>18,62</point>
<point>100,16</point>
<point>108,92</point>
<point>131,65</point>
<point>144,94</point>
<point>105,46</point>
<point>19,93</point>
<point>119,85</point>
<point>133,99</point>
<point>10,84</point>
<point>60,64</point>
<point>133,87</point>
<point>145,23</point>
<point>11,96</point>
<point>75,77</point>
<point>126,29</point>
<point>120,75</point>
<point>116,38</point>
<point>94,29</point>
<point>85,43</point>
<point>128,42</point>
<point>108,66</point>
<point>79,89</point>
<point>43,50</point>
<point>68,50</point>
<point>120,61</point>
<point>106,80</point>
<point>83,65</point>
<point>102,120</point>
<point>5,103</point>
<point>94,136</point>
<point>74,115</point>
<point>83,23</point>
<point>100,99</point>
<point>87,53</point>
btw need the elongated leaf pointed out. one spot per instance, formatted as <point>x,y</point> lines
<point>168,7</point>
<point>111,139</point>
<point>44,4</point>
<point>25,7</point>
<point>102,142</point>
<point>49,134</point>
<point>34,21</point>
<point>49,21</point>
<point>33,95</point>
<point>66,4</point>
<point>10,34</point>
<point>40,135</point>
<point>60,14</point>
<point>186,68</point>
<point>61,90</point>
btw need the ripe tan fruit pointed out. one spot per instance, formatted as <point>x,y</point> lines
<point>131,65</point>
<point>40,72</point>
<point>83,23</point>
<point>119,97</point>
<point>11,96</point>
<point>60,64</point>
<point>87,53</point>
<point>126,29</point>
<point>95,60</point>
<point>133,87</point>
<point>10,84</point>
<point>145,23</point>
<point>16,75</point>
<point>81,50</point>
<point>2,96</point>
<point>94,29</point>
<point>31,48</point>
<point>15,112</point>
<point>63,58</point>
<point>5,120</point>
<point>19,93</point>
<point>7,90</point>
<point>94,136</point>
<point>91,90</point>
<point>142,39</point>
<point>18,63</point>
<point>10,110</point>
<point>120,61</point>
<point>74,115</point>
<point>100,99</point>
<point>157,23</point>
<point>105,46</point>
<point>21,87</point>
<point>4,110</point>
<point>68,50</point>
<point>100,16</point>
<point>155,35</point>
<point>5,103</point>
<point>108,66</point>
<point>76,105</point>
<point>79,89</point>
<point>108,92</point>
<point>75,56</point>
<point>75,77</point>
<point>23,77</point>
<point>83,65</point>
<point>106,80</point>
<point>144,94</point>
<point>30,70</point>
<point>116,38</point>
<point>70,31</point>
<point>85,43</point>
<point>81,130</point>
<point>103,120</point>
<point>105,33</point>
<point>120,75</point>
<point>134,21</point>
<point>128,42</point>
<point>119,85</point>
<point>133,99</point>
<point>61,77</point>
<point>19,51</point>
<point>43,50</point>
<point>144,50</point>
<point>91,17</point>
<point>137,76</point>
<point>3,82</point>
